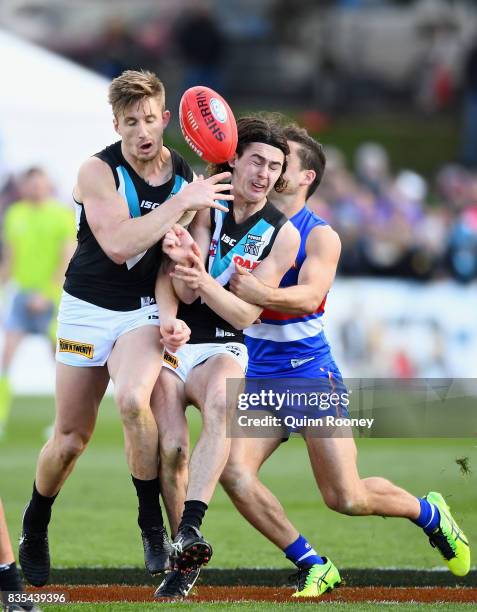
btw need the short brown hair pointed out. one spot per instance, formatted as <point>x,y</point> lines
<point>310,152</point>
<point>133,86</point>
<point>257,129</point>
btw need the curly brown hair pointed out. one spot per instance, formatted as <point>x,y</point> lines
<point>257,129</point>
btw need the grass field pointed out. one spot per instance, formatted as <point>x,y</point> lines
<point>94,518</point>
<point>264,607</point>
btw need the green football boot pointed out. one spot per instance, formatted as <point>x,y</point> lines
<point>317,579</point>
<point>449,539</point>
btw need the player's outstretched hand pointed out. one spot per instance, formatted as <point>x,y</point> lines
<point>206,192</point>
<point>175,333</point>
<point>247,287</point>
<point>195,275</point>
<point>177,244</point>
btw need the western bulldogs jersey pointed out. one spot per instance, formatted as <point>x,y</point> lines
<point>246,244</point>
<point>91,275</point>
<point>287,341</point>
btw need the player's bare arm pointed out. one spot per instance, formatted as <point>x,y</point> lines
<point>237,312</point>
<point>177,245</point>
<point>174,331</point>
<point>317,274</point>
<point>107,213</point>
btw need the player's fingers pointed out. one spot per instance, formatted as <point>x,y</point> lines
<point>184,326</point>
<point>220,206</point>
<point>195,249</point>
<point>172,239</point>
<point>223,187</point>
<point>241,269</point>
<point>222,176</point>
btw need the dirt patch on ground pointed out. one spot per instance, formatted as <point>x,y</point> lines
<point>116,592</point>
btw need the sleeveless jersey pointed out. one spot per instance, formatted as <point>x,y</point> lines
<point>91,275</point>
<point>246,244</point>
<point>285,337</point>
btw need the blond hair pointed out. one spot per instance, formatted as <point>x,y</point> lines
<point>133,86</point>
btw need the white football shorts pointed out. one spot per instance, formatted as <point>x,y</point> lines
<point>87,333</point>
<point>191,355</point>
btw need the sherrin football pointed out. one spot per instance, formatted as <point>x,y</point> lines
<point>208,124</point>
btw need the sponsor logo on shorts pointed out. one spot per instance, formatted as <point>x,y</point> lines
<point>171,360</point>
<point>79,348</point>
<point>295,363</point>
<point>235,349</point>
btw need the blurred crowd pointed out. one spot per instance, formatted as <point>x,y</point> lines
<point>391,225</point>
<point>400,225</point>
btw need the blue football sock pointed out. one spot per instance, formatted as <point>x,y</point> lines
<point>429,518</point>
<point>302,554</point>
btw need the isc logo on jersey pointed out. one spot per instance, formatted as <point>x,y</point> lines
<point>228,240</point>
<point>147,204</point>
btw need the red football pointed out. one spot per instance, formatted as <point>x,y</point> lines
<point>208,124</point>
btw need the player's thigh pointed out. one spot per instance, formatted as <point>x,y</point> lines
<point>79,392</point>
<point>135,361</point>
<point>250,453</point>
<point>168,404</point>
<point>206,385</point>
<point>334,463</point>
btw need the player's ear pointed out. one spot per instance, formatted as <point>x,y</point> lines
<point>166,117</point>
<point>116,124</point>
<point>309,177</point>
<point>231,162</point>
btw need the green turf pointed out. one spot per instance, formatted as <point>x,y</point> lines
<point>94,520</point>
<point>261,607</point>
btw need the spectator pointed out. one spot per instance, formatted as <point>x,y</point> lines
<point>201,43</point>
<point>469,128</point>
<point>39,235</point>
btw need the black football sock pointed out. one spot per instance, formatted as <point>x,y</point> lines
<point>194,512</point>
<point>38,512</point>
<point>10,578</point>
<point>150,514</point>
<point>10,581</point>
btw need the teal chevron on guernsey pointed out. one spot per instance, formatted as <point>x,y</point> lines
<point>128,191</point>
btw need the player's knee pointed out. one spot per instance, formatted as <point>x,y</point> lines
<point>132,402</point>
<point>352,503</point>
<point>174,453</point>
<point>237,481</point>
<point>214,412</point>
<point>70,446</point>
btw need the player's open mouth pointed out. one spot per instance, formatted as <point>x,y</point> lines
<point>145,147</point>
<point>258,187</point>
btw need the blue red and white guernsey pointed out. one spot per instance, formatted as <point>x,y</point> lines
<point>287,345</point>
